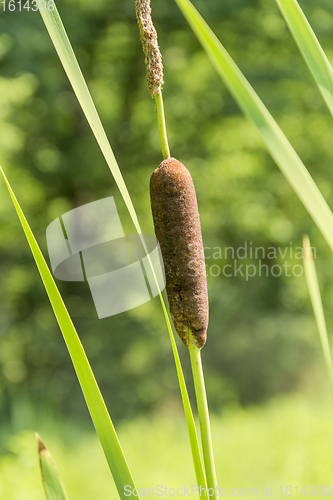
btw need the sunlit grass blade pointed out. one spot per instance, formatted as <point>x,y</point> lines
<point>277,144</point>
<point>314,291</point>
<point>310,48</point>
<point>98,411</point>
<point>67,57</point>
<point>53,487</point>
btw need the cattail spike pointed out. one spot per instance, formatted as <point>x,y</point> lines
<point>177,227</point>
<point>150,47</point>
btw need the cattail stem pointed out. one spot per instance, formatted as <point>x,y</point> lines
<point>162,125</point>
<point>206,438</point>
<point>188,297</point>
<point>196,455</point>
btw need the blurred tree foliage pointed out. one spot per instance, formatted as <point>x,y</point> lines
<point>262,337</point>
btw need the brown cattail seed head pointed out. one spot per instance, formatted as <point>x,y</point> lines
<point>177,227</point>
<point>150,47</point>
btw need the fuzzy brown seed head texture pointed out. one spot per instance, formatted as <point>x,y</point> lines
<point>150,47</point>
<point>177,227</point>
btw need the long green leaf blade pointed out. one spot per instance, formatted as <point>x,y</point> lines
<point>98,411</point>
<point>314,291</point>
<point>310,48</point>
<point>276,142</point>
<point>53,487</point>
<point>67,57</point>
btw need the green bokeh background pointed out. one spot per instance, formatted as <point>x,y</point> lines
<point>262,338</point>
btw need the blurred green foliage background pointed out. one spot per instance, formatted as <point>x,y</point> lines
<point>287,442</point>
<point>262,339</point>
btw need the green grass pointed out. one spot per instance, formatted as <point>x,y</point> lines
<point>286,442</point>
<point>54,489</point>
<point>310,48</point>
<point>317,305</point>
<point>97,408</point>
<point>275,141</point>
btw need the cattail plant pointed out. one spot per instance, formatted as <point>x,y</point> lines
<point>177,224</point>
<point>177,227</point>
<point>175,211</point>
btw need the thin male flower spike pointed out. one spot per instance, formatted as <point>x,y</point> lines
<point>150,47</point>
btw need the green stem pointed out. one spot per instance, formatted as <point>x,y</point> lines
<point>206,438</point>
<point>161,125</point>
<point>197,462</point>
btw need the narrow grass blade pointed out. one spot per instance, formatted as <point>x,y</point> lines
<point>314,291</point>
<point>53,487</point>
<point>276,142</point>
<point>98,411</point>
<point>67,57</point>
<point>310,48</point>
